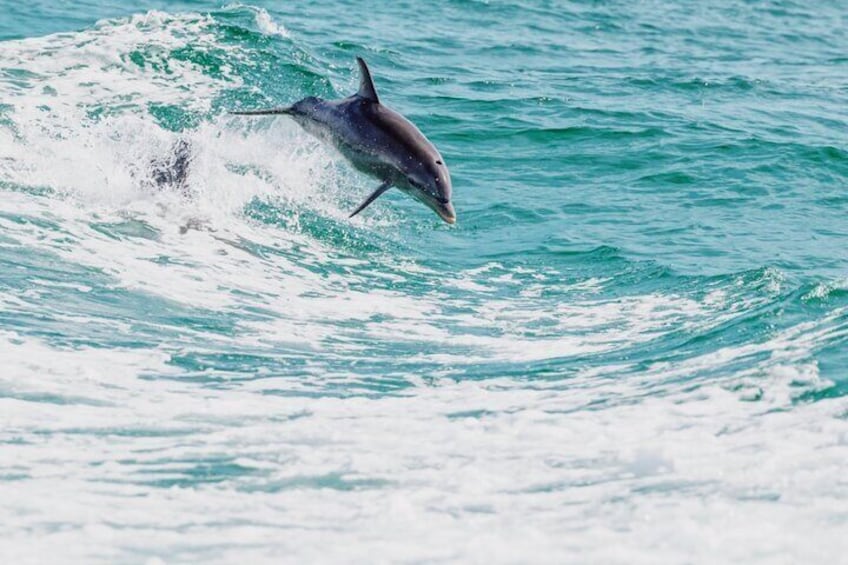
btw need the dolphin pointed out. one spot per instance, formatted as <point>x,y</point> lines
<point>377,141</point>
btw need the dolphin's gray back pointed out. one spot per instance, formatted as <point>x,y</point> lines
<point>375,138</point>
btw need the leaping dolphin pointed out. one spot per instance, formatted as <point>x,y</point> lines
<point>377,141</point>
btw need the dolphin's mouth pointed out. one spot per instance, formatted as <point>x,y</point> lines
<point>446,212</point>
<point>440,206</point>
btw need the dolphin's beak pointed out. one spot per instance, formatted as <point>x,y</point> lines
<point>446,212</point>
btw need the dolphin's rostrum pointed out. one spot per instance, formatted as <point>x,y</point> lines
<point>377,141</point>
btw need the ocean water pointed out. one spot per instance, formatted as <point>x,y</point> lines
<point>630,349</point>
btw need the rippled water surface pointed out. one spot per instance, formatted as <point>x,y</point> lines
<point>630,349</point>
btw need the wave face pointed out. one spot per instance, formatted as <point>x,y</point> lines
<point>631,348</point>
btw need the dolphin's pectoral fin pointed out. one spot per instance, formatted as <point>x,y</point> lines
<point>268,112</point>
<point>366,85</point>
<point>372,197</point>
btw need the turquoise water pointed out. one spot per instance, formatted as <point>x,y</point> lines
<point>630,349</point>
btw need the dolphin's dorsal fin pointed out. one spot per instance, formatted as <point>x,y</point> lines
<point>366,85</point>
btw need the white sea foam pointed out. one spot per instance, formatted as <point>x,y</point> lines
<point>264,21</point>
<point>494,470</point>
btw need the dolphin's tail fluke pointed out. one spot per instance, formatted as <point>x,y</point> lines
<point>268,112</point>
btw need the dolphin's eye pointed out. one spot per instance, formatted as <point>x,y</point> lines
<point>439,163</point>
